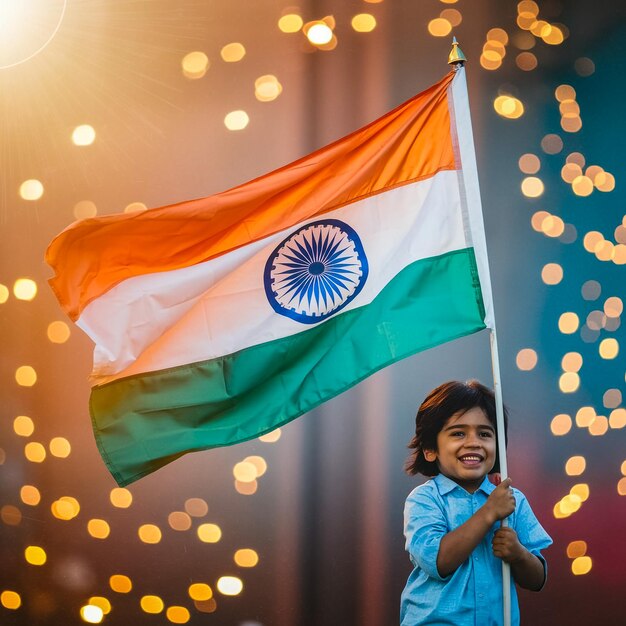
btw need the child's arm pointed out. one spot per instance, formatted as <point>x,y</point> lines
<point>458,544</point>
<point>527,569</point>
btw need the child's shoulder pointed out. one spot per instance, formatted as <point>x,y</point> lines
<point>518,494</point>
<point>427,489</point>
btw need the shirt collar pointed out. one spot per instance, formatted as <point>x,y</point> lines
<point>446,485</point>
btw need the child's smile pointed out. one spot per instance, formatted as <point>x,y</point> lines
<point>466,448</point>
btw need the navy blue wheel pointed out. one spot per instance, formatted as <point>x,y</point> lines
<point>316,271</point>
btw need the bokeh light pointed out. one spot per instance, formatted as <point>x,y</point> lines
<point>568,323</point>
<point>591,290</point>
<point>552,274</point>
<point>599,426</point>
<point>23,426</point>
<point>551,144</point>
<point>200,591</point>
<point>65,508</point>
<point>85,209</point>
<point>60,447</point>
<point>572,362</point>
<point>98,528</point>
<point>259,463</point>
<point>229,585</point>
<point>246,488</point>
<point>149,533</point>
<point>526,359</point>
<point>120,583</point>
<point>584,416</point>
<point>582,186</point>
<point>569,382</point>
<point>91,614</point>
<point>532,187</point>
<point>102,602</point>
<point>120,497</point>
<point>25,289</point>
<point>209,533</point>
<point>151,604</point>
<point>25,376</point>
<point>30,495</point>
<point>83,135</point>
<point>526,61</point>
<point>245,472</point>
<point>10,599</point>
<point>508,107</point>
<point>246,557</point>
<point>58,332</point>
<point>35,555</point>
<point>319,33</point>
<point>35,452</point>
<point>363,23</point>
<point>10,515</point>
<point>267,88</point>
<point>613,307</point>
<point>439,27</point>
<point>179,520</point>
<point>453,16</point>
<point>290,23</point>
<point>529,163</point>
<point>31,189</point>
<point>236,120</point>
<point>575,465</point>
<point>581,565</point>
<point>195,65</point>
<point>612,398</point>
<point>561,424</point>
<point>576,549</point>
<point>608,348</point>
<point>580,490</point>
<point>617,418</point>
<point>177,614</point>
<point>233,52</point>
<point>271,437</point>
<point>135,207</point>
<point>196,507</point>
<point>584,66</point>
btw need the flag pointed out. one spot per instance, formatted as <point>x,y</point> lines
<point>220,319</point>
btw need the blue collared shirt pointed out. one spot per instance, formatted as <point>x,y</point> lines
<point>471,595</point>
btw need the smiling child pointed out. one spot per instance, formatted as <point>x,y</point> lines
<point>451,522</point>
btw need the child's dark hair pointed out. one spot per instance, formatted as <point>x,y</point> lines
<point>440,404</point>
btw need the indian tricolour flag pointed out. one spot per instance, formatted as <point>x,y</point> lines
<point>218,320</point>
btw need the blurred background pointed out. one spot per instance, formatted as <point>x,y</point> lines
<point>122,105</point>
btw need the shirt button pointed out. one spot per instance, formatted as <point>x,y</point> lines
<point>475,558</point>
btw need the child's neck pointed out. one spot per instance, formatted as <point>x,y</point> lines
<point>469,486</point>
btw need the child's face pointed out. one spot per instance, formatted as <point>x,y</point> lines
<point>466,448</point>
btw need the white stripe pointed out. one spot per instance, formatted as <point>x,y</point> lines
<point>215,308</point>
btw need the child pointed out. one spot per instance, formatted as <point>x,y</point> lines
<point>451,523</point>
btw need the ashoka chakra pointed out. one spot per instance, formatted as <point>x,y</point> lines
<point>316,271</point>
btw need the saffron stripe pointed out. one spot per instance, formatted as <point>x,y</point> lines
<point>412,142</point>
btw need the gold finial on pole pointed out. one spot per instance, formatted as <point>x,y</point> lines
<point>456,54</point>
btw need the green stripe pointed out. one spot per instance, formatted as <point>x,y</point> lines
<point>146,421</point>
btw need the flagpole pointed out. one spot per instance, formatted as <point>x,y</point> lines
<point>476,233</point>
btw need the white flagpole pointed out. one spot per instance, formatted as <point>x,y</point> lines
<point>475,231</point>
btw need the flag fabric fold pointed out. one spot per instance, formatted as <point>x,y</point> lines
<point>220,319</point>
